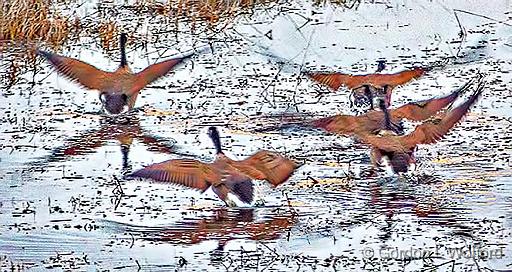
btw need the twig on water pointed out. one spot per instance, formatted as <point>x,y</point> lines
<point>483,16</point>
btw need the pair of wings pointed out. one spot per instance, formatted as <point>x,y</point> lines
<point>263,165</point>
<point>426,133</point>
<point>336,80</point>
<point>96,79</point>
<point>374,120</point>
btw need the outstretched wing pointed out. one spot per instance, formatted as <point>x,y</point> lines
<point>419,111</point>
<point>393,80</point>
<point>185,172</point>
<point>331,80</point>
<point>432,131</point>
<point>336,80</point>
<point>266,165</point>
<point>79,71</point>
<point>153,72</point>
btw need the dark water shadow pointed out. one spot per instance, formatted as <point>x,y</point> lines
<point>123,128</point>
<point>396,196</point>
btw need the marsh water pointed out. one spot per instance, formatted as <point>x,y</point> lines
<point>65,205</point>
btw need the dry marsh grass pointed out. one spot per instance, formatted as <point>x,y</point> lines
<point>211,11</point>
<point>29,21</point>
<point>214,11</point>
<point>24,24</point>
<point>108,33</point>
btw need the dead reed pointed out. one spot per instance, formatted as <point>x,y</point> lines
<point>29,21</point>
<point>24,24</point>
<point>211,11</point>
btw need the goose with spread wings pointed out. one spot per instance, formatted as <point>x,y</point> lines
<point>400,149</point>
<point>119,89</point>
<point>224,175</point>
<point>374,121</point>
<point>370,85</point>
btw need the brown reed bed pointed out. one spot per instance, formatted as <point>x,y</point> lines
<point>29,21</point>
<point>24,24</point>
<point>211,11</point>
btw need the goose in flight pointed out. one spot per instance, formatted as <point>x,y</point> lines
<point>370,85</point>
<point>119,89</point>
<point>399,149</point>
<point>224,175</point>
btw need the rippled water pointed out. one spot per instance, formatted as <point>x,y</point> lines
<point>65,205</point>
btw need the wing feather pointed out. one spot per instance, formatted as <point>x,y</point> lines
<point>432,131</point>
<point>419,111</point>
<point>153,72</point>
<point>266,165</point>
<point>331,80</point>
<point>79,71</point>
<point>185,172</point>
<point>336,80</point>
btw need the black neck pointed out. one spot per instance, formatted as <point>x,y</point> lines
<point>369,95</point>
<point>387,119</point>
<point>216,141</point>
<point>122,45</point>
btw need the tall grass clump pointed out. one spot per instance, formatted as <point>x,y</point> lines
<point>29,21</point>
<point>211,11</point>
<point>24,25</point>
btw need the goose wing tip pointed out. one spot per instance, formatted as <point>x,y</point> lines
<point>43,53</point>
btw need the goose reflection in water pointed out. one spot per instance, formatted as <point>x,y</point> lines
<point>124,128</point>
<point>393,197</point>
<point>224,226</point>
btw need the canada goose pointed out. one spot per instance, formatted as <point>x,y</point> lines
<point>374,121</point>
<point>224,175</point>
<point>372,84</point>
<point>400,149</point>
<point>117,89</point>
